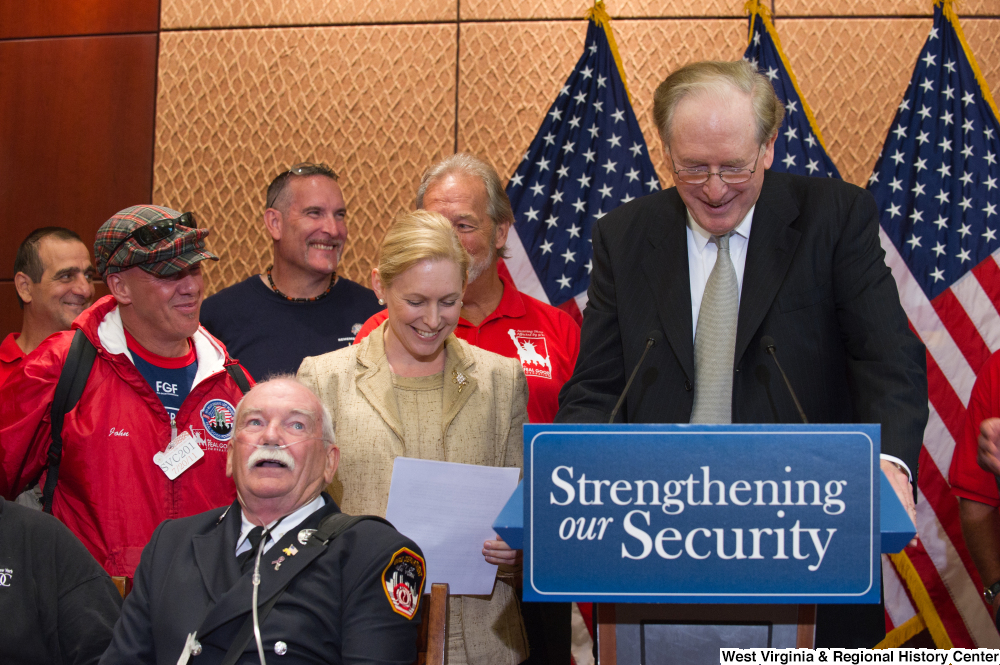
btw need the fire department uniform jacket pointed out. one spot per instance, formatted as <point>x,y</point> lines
<point>354,601</point>
<point>110,492</point>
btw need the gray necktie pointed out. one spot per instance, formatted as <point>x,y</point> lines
<point>715,342</point>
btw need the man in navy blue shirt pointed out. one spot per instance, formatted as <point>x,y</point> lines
<point>299,306</point>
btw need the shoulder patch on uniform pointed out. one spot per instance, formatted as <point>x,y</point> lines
<point>217,415</point>
<point>403,581</point>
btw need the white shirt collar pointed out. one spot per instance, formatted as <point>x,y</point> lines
<point>702,237</point>
<point>279,531</point>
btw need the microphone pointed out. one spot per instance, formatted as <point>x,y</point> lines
<point>768,347</point>
<point>653,337</point>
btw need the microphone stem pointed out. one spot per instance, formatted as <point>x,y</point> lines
<point>788,384</point>
<point>614,412</point>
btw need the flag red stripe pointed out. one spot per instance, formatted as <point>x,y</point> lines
<point>962,329</point>
<point>938,493</point>
<point>944,399</point>
<point>988,274</point>
<point>943,602</point>
<point>571,308</point>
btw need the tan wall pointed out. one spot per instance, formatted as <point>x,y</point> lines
<point>380,89</point>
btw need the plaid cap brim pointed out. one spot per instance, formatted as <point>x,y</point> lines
<point>178,263</point>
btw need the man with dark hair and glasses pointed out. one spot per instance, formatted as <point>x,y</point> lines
<point>299,306</point>
<point>735,253</point>
<point>53,275</point>
<point>147,439</point>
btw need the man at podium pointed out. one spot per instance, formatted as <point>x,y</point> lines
<point>736,263</point>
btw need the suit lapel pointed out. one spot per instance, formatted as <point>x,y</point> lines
<point>769,254</point>
<point>459,384</point>
<point>214,554</point>
<point>374,379</point>
<point>665,264</point>
<point>238,600</point>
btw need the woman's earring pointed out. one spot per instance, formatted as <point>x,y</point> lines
<point>381,301</point>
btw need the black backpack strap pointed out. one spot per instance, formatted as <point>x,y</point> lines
<point>337,523</point>
<point>236,372</point>
<point>72,381</point>
<point>331,527</point>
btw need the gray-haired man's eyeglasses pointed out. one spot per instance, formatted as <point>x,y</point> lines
<point>727,175</point>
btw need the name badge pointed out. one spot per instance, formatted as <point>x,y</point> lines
<point>180,454</point>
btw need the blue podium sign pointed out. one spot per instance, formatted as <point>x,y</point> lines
<point>702,513</point>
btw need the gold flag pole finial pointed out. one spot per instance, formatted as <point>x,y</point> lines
<point>754,8</point>
<point>599,15</point>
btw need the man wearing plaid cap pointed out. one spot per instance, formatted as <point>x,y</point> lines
<point>147,439</point>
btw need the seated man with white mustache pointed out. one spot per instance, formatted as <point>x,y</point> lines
<point>327,588</point>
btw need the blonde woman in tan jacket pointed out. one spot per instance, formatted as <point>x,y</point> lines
<point>412,388</point>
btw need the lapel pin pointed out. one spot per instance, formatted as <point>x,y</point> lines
<point>291,550</point>
<point>304,536</point>
<point>459,378</point>
<point>277,562</point>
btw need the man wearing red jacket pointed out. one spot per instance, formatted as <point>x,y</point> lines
<point>147,440</point>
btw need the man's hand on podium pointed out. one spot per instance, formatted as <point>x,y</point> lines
<point>901,483</point>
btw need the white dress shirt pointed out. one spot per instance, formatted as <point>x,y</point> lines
<point>286,525</point>
<point>702,253</point>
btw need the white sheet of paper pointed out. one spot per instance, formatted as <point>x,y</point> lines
<point>448,510</point>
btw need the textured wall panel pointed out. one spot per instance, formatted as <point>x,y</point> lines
<point>44,18</point>
<point>234,107</point>
<point>879,7</point>
<point>232,13</point>
<point>502,101</point>
<point>983,36</point>
<point>853,72</point>
<point>76,133</point>
<point>495,10</point>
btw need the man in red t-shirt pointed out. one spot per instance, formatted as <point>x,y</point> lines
<point>53,276</point>
<point>499,318</point>
<point>976,488</point>
<point>495,315</point>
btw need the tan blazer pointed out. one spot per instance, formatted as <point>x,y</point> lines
<point>485,405</point>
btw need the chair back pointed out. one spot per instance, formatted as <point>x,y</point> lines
<point>432,639</point>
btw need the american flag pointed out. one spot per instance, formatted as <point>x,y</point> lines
<point>937,184</point>
<point>588,157</point>
<point>799,147</point>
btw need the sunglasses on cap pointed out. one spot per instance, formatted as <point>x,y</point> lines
<point>150,234</point>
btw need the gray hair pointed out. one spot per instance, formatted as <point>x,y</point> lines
<point>497,204</point>
<point>329,438</point>
<point>719,77</point>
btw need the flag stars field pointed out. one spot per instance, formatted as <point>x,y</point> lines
<point>796,149</point>
<point>587,157</point>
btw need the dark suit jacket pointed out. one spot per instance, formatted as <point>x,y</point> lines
<point>815,281</point>
<point>335,610</point>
